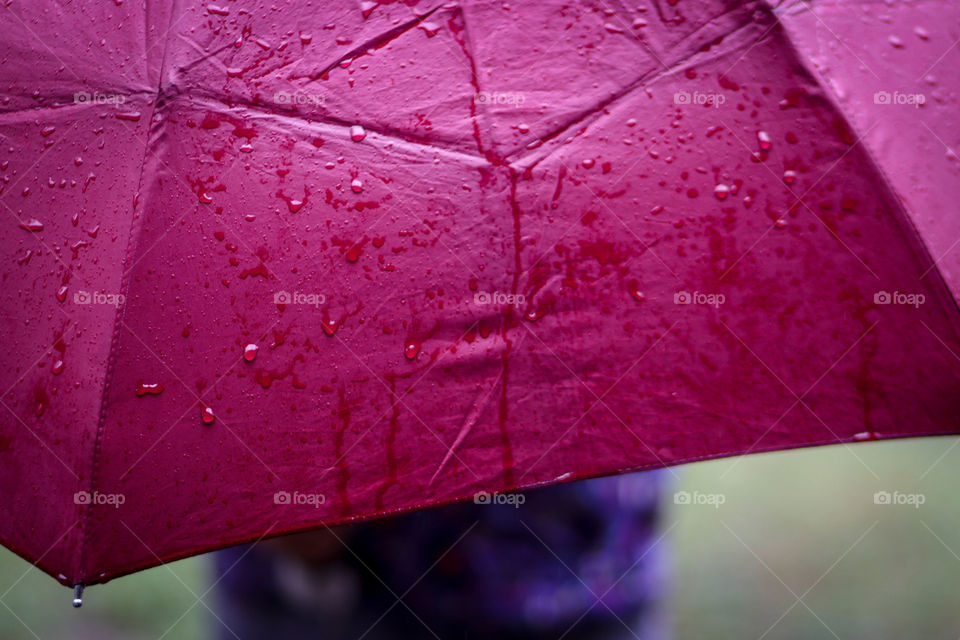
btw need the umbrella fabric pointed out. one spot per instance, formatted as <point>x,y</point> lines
<point>269,266</point>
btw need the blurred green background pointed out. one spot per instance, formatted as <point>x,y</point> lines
<point>797,549</point>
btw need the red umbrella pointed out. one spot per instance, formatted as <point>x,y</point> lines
<point>270,266</point>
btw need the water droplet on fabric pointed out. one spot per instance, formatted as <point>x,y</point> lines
<point>149,389</point>
<point>206,414</point>
<point>765,140</point>
<point>411,349</point>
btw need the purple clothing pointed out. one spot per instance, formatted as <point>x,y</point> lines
<point>582,552</point>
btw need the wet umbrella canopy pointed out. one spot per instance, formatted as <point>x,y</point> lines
<point>273,265</point>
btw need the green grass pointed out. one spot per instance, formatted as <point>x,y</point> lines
<point>801,522</point>
<point>807,520</point>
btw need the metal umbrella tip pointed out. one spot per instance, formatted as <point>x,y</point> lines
<point>78,596</point>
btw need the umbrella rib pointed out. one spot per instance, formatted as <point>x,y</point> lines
<point>136,226</point>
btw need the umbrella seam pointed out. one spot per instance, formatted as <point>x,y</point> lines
<point>905,222</point>
<point>136,225</point>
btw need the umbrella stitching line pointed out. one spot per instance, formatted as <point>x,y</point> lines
<point>138,338</point>
<point>919,247</point>
<point>615,583</point>
<point>176,174</point>
<point>475,78</point>
<point>595,114</point>
<point>117,317</point>
<point>813,12</point>
<point>641,39</point>
<point>641,82</point>
<point>136,225</point>
<point>799,399</point>
<point>599,399</point>
<point>584,415</point>
<point>375,41</point>
<point>409,189</point>
<point>945,253</point>
<point>799,599</point>
<point>399,599</point>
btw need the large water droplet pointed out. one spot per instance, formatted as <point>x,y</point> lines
<point>207,415</point>
<point>411,349</point>
<point>330,326</point>
<point>149,389</point>
<point>250,352</point>
<point>765,140</point>
<point>357,133</point>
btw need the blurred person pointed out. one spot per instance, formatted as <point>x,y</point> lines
<point>579,561</point>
